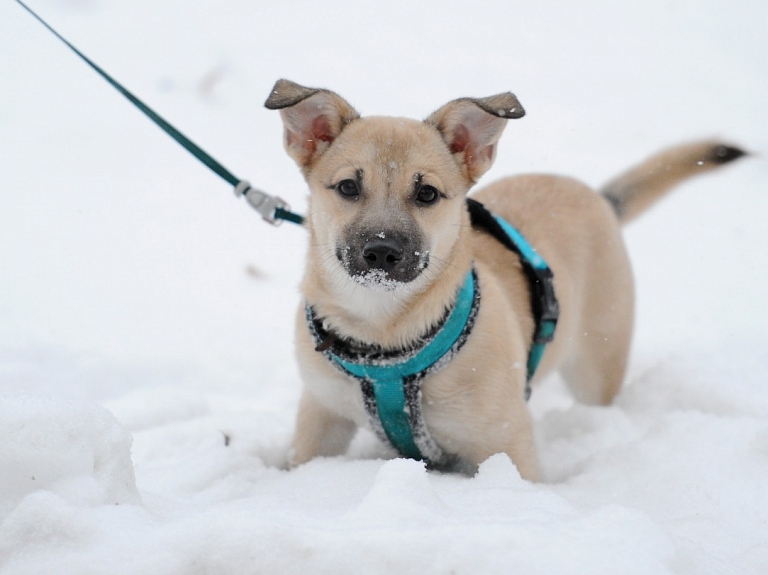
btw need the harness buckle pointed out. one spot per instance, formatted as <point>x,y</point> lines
<point>546,304</point>
<point>262,202</point>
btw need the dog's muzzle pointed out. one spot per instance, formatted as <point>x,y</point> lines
<point>383,260</point>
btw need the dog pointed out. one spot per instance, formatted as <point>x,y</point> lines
<point>392,240</point>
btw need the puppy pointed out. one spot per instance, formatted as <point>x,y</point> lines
<point>392,251</point>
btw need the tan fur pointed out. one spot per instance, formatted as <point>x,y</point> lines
<point>474,407</point>
<point>637,189</point>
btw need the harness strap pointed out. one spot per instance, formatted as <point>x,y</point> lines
<point>544,305</point>
<point>391,383</point>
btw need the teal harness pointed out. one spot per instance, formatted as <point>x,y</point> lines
<point>390,381</point>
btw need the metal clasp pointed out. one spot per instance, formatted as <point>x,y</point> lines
<point>262,202</point>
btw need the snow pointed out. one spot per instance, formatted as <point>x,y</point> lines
<point>77,449</point>
<point>378,280</point>
<point>147,379</point>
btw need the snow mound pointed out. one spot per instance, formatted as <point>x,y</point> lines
<point>74,449</point>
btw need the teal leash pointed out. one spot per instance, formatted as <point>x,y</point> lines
<point>273,209</point>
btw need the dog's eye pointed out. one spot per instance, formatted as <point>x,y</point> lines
<point>348,189</point>
<point>427,195</point>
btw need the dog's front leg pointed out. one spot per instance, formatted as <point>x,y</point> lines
<point>521,449</point>
<point>517,441</point>
<point>508,430</point>
<point>319,432</point>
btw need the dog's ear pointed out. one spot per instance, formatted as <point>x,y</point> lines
<point>313,119</point>
<point>471,127</point>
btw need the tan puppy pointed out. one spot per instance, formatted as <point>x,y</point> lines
<point>391,243</point>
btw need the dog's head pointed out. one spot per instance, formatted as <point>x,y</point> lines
<point>387,194</point>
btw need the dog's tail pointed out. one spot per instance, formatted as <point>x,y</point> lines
<point>637,189</point>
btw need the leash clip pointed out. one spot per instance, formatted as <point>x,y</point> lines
<point>262,202</point>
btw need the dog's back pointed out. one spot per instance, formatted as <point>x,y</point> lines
<point>577,231</point>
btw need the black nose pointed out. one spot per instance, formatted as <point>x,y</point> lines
<point>382,254</point>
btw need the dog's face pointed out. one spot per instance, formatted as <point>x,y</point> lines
<point>392,193</point>
<point>387,194</point>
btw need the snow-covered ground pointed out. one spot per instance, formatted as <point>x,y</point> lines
<point>140,301</point>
